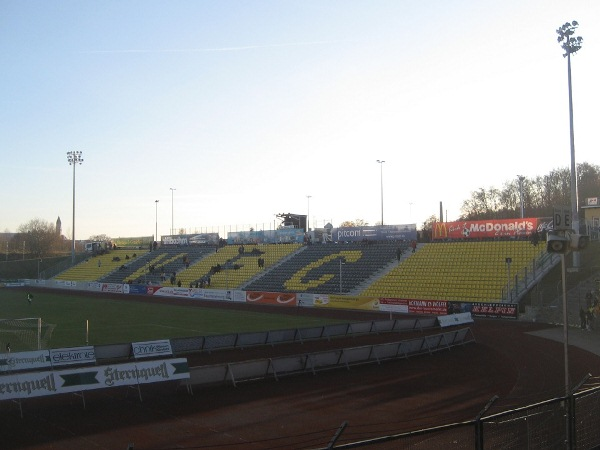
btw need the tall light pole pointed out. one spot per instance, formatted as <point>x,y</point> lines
<point>381,182</point>
<point>571,44</point>
<point>342,262</point>
<point>172,228</point>
<point>156,220</point>
<point>508,291</point>
<point>74,158</point>
<point>308,213</point>
<point>521,178</point>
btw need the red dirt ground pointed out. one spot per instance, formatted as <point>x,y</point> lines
<point>305,411</point>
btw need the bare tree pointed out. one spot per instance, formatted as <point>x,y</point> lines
<point>540,195</point>
<point>39,237</point>
<point>427,228</point>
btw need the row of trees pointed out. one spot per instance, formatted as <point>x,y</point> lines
<point>39,238</point>
<point>540,195</point>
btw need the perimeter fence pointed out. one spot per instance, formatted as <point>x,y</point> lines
<point>570,422</point>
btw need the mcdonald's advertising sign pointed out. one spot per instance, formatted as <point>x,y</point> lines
<point>479,229</point>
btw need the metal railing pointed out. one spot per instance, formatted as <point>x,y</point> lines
<point>527,277</point>
<point>569,422</point>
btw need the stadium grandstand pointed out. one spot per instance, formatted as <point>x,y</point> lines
<point>460,271</point>
<point>481,262</point>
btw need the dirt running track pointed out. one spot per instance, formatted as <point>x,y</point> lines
<point>305,411</point>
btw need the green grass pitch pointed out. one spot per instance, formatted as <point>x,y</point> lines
<point>113,321</point>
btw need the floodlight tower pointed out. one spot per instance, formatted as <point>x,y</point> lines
<point>156,220</point>
<point>74,158</point>
<point>521,178</point>
<point>172,228</point>
<point>571,45</point>
<point>380,161</point>
<point>308,213</point>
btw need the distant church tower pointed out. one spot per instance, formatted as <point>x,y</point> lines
<point>58,226</point>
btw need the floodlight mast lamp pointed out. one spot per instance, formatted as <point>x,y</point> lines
<point>308,213</point>
<point>521,178</point>
<point>380,161</point>
<point>74,158</point>
<point>172,228</point>
<point>571,45</point>
<point>156,221</point>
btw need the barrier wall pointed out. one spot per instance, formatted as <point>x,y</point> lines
<point>242,340</point>
<point>391,305</point>
<point>276,368</point>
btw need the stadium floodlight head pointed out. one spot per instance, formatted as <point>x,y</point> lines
<point>558,243</point>
<point>579,241</point>
<point>569,43</point>
<point>380,162</point>
<point>75,157</point>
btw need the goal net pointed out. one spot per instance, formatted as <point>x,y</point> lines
<point>18,335</point>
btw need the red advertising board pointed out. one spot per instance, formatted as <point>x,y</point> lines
<point>271,298</point>
<point>402,305</point>
<point>478,229</point>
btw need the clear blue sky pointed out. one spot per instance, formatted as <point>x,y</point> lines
<point>248,107</point>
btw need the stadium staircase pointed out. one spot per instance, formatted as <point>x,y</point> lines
<point>406,252</point>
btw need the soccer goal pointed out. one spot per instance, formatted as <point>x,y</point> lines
<point>24,334</point>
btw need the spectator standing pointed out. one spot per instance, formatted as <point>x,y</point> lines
<point>583,318</point>
<point>413,245</point>
<point>399,253</point>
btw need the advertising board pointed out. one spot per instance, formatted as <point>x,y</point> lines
<point>271,298</point>
<point>410,306</point>
<point>484,229</point>
<point>406,232</point>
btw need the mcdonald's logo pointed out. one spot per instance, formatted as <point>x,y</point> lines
<point>440,230</point>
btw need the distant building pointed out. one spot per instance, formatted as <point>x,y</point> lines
<point>591,214</point>
<point>58,226</point>
<point>5,238</point>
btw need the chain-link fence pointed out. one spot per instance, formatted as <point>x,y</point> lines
<point>561,423</point>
